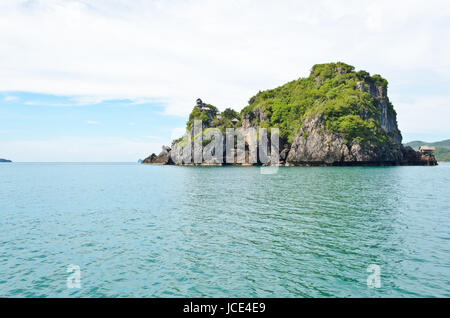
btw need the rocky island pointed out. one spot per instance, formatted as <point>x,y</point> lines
<point>335,117</point>
<point>4,160</point>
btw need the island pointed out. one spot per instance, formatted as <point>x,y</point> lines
<point>4,160</point>
<point>334,117</point>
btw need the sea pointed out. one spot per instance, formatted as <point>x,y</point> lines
<point>131,230</point>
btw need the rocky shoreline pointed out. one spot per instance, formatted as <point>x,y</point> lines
<point>410,157</point>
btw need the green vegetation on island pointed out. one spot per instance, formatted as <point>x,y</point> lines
<point>334,90</point>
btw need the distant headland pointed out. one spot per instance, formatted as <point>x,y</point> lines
<point>335,117</point>
<point>4,160</point>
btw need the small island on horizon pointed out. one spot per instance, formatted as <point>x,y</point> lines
<point>5,160</point>
<point>335,117</point>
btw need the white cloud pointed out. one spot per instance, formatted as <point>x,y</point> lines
<point>10,98</point>
<point>221,51</point>
<point>425,115</point>
<point>71,149</point>
<point>93,122</point>
<point>71,102</point>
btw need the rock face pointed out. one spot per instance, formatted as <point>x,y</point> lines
<point>162,159</point>
<point>388,117</point>
<point>314,145</point>
<point>257,114</point>
<point>335,117</point>
<point>416,158</point>
<point>180,157</point>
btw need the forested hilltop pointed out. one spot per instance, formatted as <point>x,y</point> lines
<point>334,91</point>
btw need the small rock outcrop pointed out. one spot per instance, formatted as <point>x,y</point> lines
<point>416,158</point>
<point>162,159</point>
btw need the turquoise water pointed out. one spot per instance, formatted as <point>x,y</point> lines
<point>156,231</point>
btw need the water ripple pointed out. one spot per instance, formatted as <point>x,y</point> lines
<point>147,231</point>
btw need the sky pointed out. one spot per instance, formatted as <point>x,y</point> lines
<point>114,80</point>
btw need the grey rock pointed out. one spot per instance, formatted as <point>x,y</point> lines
<point>162,159</point>
<point>314,145</point>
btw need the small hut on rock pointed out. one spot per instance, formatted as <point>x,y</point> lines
<point>427,150</point>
